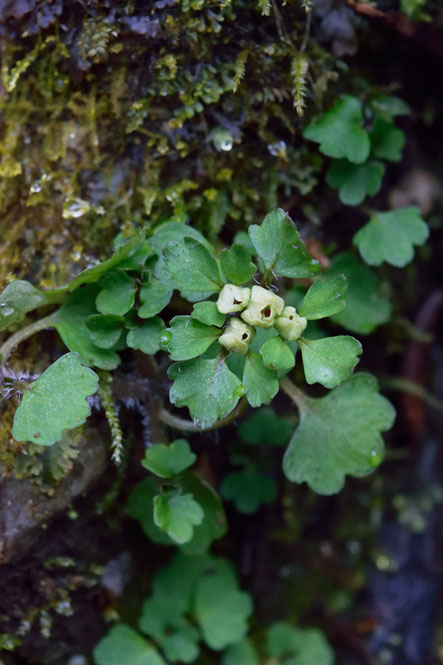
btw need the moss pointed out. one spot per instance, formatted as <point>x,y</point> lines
<point>119,119</point>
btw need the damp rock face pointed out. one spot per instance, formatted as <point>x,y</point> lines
<point>25,510</point>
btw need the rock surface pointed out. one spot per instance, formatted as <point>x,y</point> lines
<point>25,510</point>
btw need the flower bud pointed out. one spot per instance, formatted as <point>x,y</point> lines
<point>236,336</point>
<point>233,298</point>
<point>289,324</point>
<point>263,307</point>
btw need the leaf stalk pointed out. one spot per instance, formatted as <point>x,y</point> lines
<point>24,333</point>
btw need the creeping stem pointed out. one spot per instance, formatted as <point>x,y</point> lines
<point>294,393</point>
<point>24,333</point>
<point>188,426</point>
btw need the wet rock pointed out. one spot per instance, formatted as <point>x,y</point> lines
<point>25,509</point>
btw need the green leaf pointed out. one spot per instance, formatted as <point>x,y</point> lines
<point>389,106</point>
<point>96,272</point>
<point>330,360</point>
<point>325,297</point>
<point>339,434</point>
<point>189,338</point>
<point>181,646</point>
<point>17,299</point>
<point>366,305</point>
<point>141,506</point>
<point>355,181</point>
<point>277,355</point>
<point>147,337</point>
<point>387,141</point>
<point>221,610</point>
<point>207,387</point>
<point>265,427</point>
<point>168,461</point>
<point>391,236</point>
<point>105,329</point>
<point>162,620</point>
<point>191,267</point>
<point>278,244</point>
<point>121,645</point>
<point>137,258</point>
<point>55,402</point>
<point>236,265</point>
<point>213,526</point>
<point>172,232</point>
<point>297,646</point>
<point>339,131</point>
<point>214,523</point>
<point>154,297</point>
<point>242,238</point>
<point>117,294</point>
<point>177,514</point>
<point>207,312</point>
<point>158,616</point>
<point>243,653</point>
<point>248,489</point>
<point>260,382</point>
<point>281,639</point>
<point>71,325</point>
<point>176,583</point>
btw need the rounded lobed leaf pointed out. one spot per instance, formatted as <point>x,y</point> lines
<point>391,236</point>
<point>325,297</point>
<point>167,461</point>
<point>339,131</point>
<point>236,265</point>
<point>55,402</point>
<point>147,337</point>
<point>123,644</point>
<point>329,360</point>
<point>278,243</point>
<point>277,355</point>
<point>189,338</point>
<point>260,382</point>
<point>177,514</point>
<point>339,435</point>
<point>207,387</point>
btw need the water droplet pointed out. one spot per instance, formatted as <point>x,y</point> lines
<point>75,207</point>
<point>6,310</point>
<point>376,458</point>
<point>222,139</point>
<point>165,339</point>
<point>278,149</point>
<point>64,607</point>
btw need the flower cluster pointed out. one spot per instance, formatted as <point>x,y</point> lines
<point>259,307</point>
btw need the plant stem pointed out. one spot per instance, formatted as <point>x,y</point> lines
<point>294,393</point>
<point>307,31</point>
<point>409,387</point>
<point>8,347</point>
<point>188,426</point>
<point>267,275</point>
